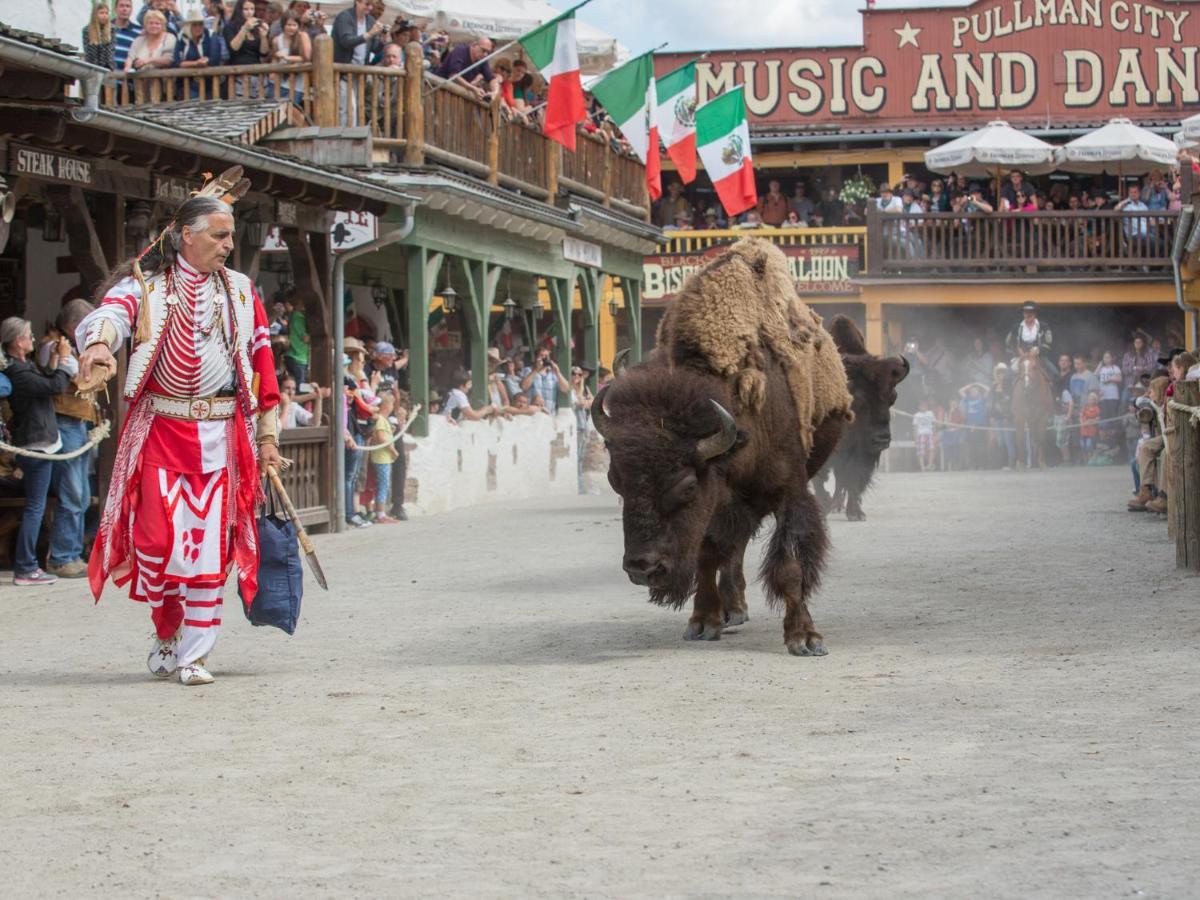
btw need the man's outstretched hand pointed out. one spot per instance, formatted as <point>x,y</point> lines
<point>97,357</point>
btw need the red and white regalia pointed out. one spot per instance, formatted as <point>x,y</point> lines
<point>185,486</point>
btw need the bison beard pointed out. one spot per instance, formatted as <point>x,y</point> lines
<point>697,480</point>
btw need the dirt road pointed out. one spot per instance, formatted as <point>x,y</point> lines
<point>485,707</point>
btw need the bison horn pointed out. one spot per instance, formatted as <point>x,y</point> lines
<point>907,369</point>
<point>620,360</point>
<point>600,417</point>
<point>723,439</point>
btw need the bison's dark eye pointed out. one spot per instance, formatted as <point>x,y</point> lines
<point>681,493</point>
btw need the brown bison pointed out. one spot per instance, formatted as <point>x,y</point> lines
<point>745,401</point>
<point>872,381</point>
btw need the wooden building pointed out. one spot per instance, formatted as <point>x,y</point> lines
<point>826,115</point>
<point>380,200</point>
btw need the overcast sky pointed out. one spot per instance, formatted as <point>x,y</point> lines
<point>710,24</point>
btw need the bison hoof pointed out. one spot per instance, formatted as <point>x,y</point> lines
<point>736,618</point>
<point>700,631</point>
<point>811,647</point>
<point>857,516</point>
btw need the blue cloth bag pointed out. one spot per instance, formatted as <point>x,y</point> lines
<point>280,571</point>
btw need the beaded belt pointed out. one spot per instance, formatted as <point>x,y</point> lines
<point>197,409</point>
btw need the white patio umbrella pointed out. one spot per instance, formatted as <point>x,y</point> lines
<point>500,20</point>
<point>991,149</point>
<point>1119,148</point>
<point>1189,133</point>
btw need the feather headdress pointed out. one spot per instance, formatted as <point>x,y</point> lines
<point>229,187</point>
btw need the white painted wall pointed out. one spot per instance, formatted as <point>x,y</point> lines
<point>450,466</point>
<point>62,19</point>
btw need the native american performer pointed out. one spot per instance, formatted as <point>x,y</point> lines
<point>203,409</point>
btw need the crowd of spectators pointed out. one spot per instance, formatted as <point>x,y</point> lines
<point>961,404</point>
<point>809,207</point>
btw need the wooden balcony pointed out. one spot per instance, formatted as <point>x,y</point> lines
<point>413,118</point>
<point>1133,246</point>
<point>1130,245</point>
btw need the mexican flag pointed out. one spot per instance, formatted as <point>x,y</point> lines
<point>675,115</point>
<point>723,142</point>
<point>552,49</point>
<point>627,93</point>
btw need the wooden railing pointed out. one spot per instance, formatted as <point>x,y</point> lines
<point>414,115</point>
<point>1125,244</point>
<point>158,86</point>
<point>687,243</point>
<point>308,479</point>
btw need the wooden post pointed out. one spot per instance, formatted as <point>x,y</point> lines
<point>607,176</point>
<point>631,289</point>
<point>414,108</point>
<point>493,144</point>
<point>1184,483</point>
<point>874,246</point>
<point>874,323</point>
<point>553,158</point>
<point>325,95</point>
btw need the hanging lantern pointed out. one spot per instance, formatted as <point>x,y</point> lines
<point>449,297</point>
<point>510,308</point>
<point>378,293</point>
<point>537,309</point>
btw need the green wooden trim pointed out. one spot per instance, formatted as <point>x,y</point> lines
<point>631,290</point>
<point>422,270</point>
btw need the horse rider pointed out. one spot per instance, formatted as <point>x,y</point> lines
<point>1031,334</point>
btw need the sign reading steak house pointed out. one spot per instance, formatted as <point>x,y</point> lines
<point>1030,60</point>
<point>821,269</point>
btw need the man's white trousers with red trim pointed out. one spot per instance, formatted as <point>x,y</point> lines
<point>181,541</point>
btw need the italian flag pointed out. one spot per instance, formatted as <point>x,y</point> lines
<point>723,142</point>
<point>675,115</point>
<point>553,51</point>
<point>627,93</point>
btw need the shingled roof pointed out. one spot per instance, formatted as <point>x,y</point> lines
<point>37,40</point>
<point>238,121</point>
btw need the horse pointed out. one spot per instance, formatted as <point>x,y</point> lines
<point>1033,407</point>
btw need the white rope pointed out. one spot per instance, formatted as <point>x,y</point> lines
<point>399,434</point>
<point>95,436</point>
<point>948,426</point>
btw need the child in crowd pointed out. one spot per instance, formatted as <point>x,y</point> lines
<point>923,429</point>
<point>1088,429</point>
<point>382,459</point>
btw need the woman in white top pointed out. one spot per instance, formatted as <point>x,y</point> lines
<point>1108,373</point>
<point>154,48</point>
<point>293,46</point>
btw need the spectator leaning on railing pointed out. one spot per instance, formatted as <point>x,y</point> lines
<point>125,31</point>
<point>154,48</point>
<point>98,46</point>
<point>34,427</point>
<point>481,79</point>
<point>196,49</point>
<point>1135,226</point>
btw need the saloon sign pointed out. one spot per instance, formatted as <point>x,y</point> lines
<point>1024,60</point>
<point>825,269</point>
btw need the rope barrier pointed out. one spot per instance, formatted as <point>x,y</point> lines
<point>95,436</point>
<point>1002,428</point>
<point>367,448</point>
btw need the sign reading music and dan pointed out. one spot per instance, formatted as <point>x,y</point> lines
<point>827,269</point>
<point>1013,59</point>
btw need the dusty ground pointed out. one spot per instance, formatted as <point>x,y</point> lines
<point>486,707</point>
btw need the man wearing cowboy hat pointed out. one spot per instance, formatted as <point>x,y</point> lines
<point>1031,335</point>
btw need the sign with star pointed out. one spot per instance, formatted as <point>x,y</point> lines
<point>1076,62</point>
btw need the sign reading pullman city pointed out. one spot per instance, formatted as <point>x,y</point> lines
<point>819,269</point>
<point>1019,60</point>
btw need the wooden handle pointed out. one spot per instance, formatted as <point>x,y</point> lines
<point>301,534</point>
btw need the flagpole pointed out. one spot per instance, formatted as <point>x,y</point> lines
<point>530,112</point>
<point>439,85</point>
